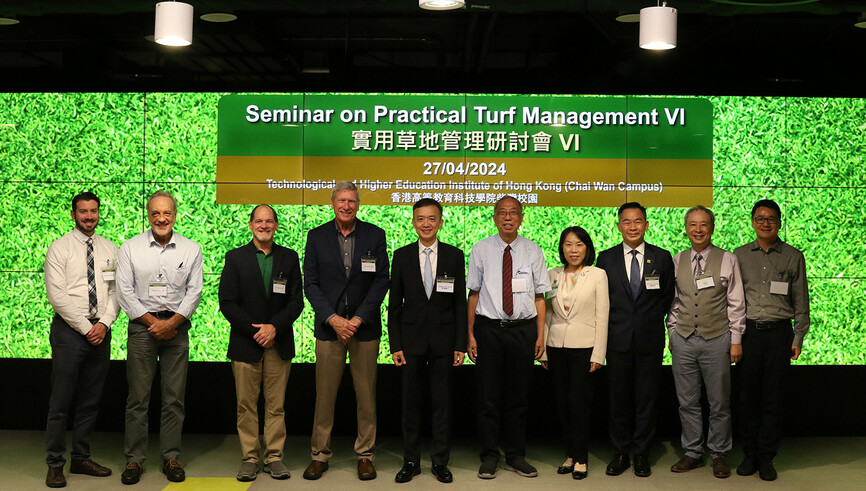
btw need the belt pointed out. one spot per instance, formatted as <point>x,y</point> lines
<point>162,314</point>
<point>505,323</point>
<point>761,326</point>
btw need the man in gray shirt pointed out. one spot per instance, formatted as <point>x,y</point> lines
<point>774,280</point>
<point>705,325</point>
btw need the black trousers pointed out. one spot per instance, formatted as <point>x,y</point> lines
<point>78,371</point>
<point>413,382</point>
<point>633,386</point>
<point>504,372</point>
<point>766,358</point>
<point>574,387</point>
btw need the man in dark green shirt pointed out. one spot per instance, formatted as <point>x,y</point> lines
<point>774,280</point>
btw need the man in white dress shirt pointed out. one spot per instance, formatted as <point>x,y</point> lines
<point>705,327</point>
<point>79,281</point>
<point>159,280</point>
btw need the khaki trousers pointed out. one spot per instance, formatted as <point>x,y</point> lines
<point>330,364</point>
<point>272,373</point>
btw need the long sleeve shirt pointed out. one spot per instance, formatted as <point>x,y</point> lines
<point>66,279</point>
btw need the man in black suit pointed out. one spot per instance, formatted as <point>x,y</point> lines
<point>641,284</point>
<point>427,328</point>
<point>345,280</point>
<point>260,295</point>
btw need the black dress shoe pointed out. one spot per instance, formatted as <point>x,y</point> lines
<point>748,466</point>
<point>641,466</point>
<point>409,470</point>
<point>565,469</point>
<point>618,465</point>
<point>442,473</point>
<point>131,474</point>
<point>766,471</point>
<point>578,475</point>
<point>173,470</point>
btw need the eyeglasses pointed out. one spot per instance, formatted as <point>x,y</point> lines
<point>763,220</point>
<point>508,213</point>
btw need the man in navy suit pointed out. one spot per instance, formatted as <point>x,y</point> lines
<point>345,280</point>
<point>261,296</point>
<point>641,284</point>
<point>427,329</point>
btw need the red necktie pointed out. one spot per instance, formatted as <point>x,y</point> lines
<point>507,295</point>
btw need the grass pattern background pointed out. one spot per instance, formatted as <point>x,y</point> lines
<point>805,153</point>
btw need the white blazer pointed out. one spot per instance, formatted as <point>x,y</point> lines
<point>584,323</point>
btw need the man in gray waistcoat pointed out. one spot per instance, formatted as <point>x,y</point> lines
<point>705,325</point>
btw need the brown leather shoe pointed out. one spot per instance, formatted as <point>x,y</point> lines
<point>55,478</point>
<point>720,467</point>
<point>366,471</point>
<point>686,464</point>
<point>315,470</point>
<point>89,468</point>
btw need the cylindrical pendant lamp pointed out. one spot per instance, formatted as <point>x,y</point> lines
<point>658,27</point>
<point>173,24</point>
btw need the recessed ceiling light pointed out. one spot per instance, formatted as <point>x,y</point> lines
<point>8,21</point>
<point>628,18</point>
<point>861,21</point>
<point>441,4</point>
<point>219,17</point>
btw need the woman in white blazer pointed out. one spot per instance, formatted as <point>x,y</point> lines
<point>576,339</point>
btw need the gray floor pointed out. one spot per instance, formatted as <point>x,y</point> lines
<point>212,460</point>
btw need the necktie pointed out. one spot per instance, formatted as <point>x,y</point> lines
<point>507,295</point>
<point>91,279</point>
<point>635,274</point>
<point>428,273</point>
<point>699,269</point>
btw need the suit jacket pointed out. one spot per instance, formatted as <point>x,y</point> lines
<point>638,324</point>
<point>416,323</point>
<point>581,322</point>
<point>244,301</point>
<point>328,289</point>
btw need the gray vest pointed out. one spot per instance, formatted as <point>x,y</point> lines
<point>704,312</point>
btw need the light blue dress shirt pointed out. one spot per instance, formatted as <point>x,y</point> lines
<point>142,261</point>
<point>485,276</point>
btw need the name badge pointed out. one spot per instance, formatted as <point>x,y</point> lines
<point>157,289</point>
<point>779,287</point>
<point>705,281</point>
<point>280,286</point>
<point>108,275</point>
<point>652,283</point>
<point>519,285</point>
<point>368,263</point>
<point>444,284</point>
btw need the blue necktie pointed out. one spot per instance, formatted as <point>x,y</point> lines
<point>635,274</point>
<point>428,273</point>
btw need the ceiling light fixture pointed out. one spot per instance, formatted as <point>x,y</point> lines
<point>8,21</point>
<point>658,27</point>
<point>861,21</point>
<point>441,4</point>
<point>173,24</point>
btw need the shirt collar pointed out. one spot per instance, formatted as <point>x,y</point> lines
<point>705,253</point>
<point>640,248</point>
<point>501,243</point>
<point>337,226</point>
<point>775,247</point>
<point>80,236</point>
<point>171,241</point>
<point>434,247</point>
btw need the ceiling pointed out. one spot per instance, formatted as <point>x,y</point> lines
<point>521,46</point>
